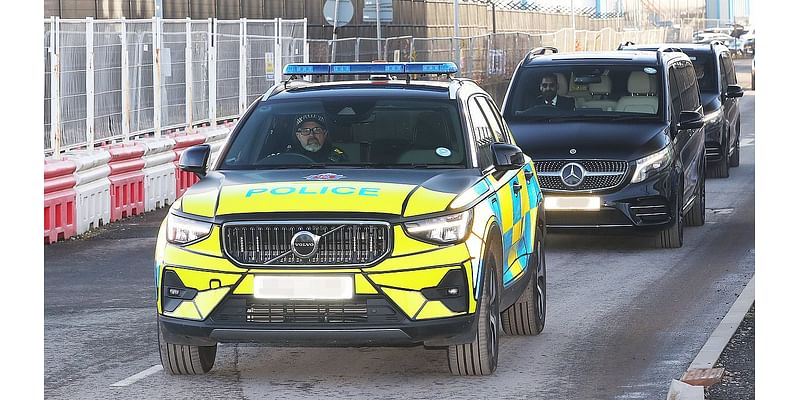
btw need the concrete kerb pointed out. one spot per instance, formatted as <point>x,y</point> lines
<point>710,352</point>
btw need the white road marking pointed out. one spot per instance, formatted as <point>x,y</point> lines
<point>141,375</point>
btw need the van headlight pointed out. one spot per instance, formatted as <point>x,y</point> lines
<point>445,230</point>
<point>647,166</point>
<point>183,230</point>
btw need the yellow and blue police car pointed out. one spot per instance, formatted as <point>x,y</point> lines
<point>379,212</point>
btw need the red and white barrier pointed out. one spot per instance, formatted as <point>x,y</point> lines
<point>215,137</point>
<point>92,188</point>
<point>159,172</point>
<point>127,180</point>
<point>183,141</point>
<point>59,200</point>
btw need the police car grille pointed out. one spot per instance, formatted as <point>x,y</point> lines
<point>612,173</point>
<point>339,244</point>
<point>298,312</point>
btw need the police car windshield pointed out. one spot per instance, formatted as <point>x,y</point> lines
<point>580,92</point>
<point>353,132</point>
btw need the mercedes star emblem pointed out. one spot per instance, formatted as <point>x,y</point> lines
<point>572,174</point>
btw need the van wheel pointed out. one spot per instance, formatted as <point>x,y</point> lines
<point>179,359</point>
<point>697,214</point>
<point>479,357</point>
<point>720,168</point>
<point>672,237</point>
<point>734,161</point>
<point>527,315</point>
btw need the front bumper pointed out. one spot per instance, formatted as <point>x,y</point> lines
<point>646,206</point>
<point>400,333</point>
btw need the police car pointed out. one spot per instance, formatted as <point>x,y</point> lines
<point>380,212</point>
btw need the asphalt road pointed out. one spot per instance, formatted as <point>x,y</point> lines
<point>623,319</point>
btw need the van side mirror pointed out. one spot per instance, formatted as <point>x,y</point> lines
<point>690,120</point>
<point>195,158</point>
<point>734,91</point>
<point>507,157</point>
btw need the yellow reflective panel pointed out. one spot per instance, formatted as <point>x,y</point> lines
<point>413,280</point>
<point>210,245</point>
<point>363,286</point>
<point>207,300</point>
<point>200,202</point>
<point>425,201</point>
<point>408,301</point>
<point>446,255</point>
<point>343,196</point>
<point>406,245</point>
<point>201,280</point>
<point>186,310</point>
<point>436,309</point>
<point>471,284</point>
<point>175,255</point>
<point>506,202</point>
<point>245,286</point>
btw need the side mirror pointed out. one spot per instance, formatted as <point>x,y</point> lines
<point>195,158</point>
<point>690,120</point>
<point>734,91</point>
<point>507,156</point>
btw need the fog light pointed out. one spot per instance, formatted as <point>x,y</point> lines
<point>173,292</point>
<point>452,292</point>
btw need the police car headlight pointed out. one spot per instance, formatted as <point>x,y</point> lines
<point>183,230</point>
<point>647,166</point>
<point>448,229</point>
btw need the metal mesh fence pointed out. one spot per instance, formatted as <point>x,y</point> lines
<point>107,79</point>
<point>293,39</point>
<point>200,38</point>
<point>72,50</point>
<point>48,26</point>
<point>173,73</point>
<point>139,36</point>
<point>228,47</point>
<point>260,45</point>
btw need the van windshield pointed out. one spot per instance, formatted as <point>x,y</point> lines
<point>574,92</point>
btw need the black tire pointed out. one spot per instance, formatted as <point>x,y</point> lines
<point>479,357</point>
<point>179,359</point>
<point>697,214</point>
<point>527,315</point>
<point>720,169</point>
<point>672,237</point>
<point>734,161</point>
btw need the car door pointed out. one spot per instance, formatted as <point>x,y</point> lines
<point>730,105</point>
<point>507,187</point>
<point>693,140</point>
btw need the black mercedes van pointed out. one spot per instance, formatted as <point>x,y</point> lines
<point>617,139</point>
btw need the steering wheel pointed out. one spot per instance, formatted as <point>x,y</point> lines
<point>286,158</point>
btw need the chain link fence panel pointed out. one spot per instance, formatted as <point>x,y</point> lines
<point>107,80</point>
<point>173,73</point>
<point>200,42</point>
<point>260,45</point>
<point>72,63</point>
<point>228,49</point>
<point>48,26</point>
<point>139,36</point>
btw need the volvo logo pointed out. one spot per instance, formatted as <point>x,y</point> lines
<point>572,174</point>
<point>304,244</point>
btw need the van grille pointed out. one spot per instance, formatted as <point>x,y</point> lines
<point>600,174</point>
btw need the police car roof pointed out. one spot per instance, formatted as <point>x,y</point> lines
<point>611,57</point>
<point>370,88</point>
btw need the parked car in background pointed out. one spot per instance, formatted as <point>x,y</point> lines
<point>617,138</point>
<point>720,94</point>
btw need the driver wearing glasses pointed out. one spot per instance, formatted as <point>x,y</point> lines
<point>311,133</point>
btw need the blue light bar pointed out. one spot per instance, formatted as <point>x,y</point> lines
<point>306,69</point>
<point>431,68</point>
<point>371,68</point>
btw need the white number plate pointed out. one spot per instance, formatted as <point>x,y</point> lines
<point>584,203</point>
<point>303,287</point>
